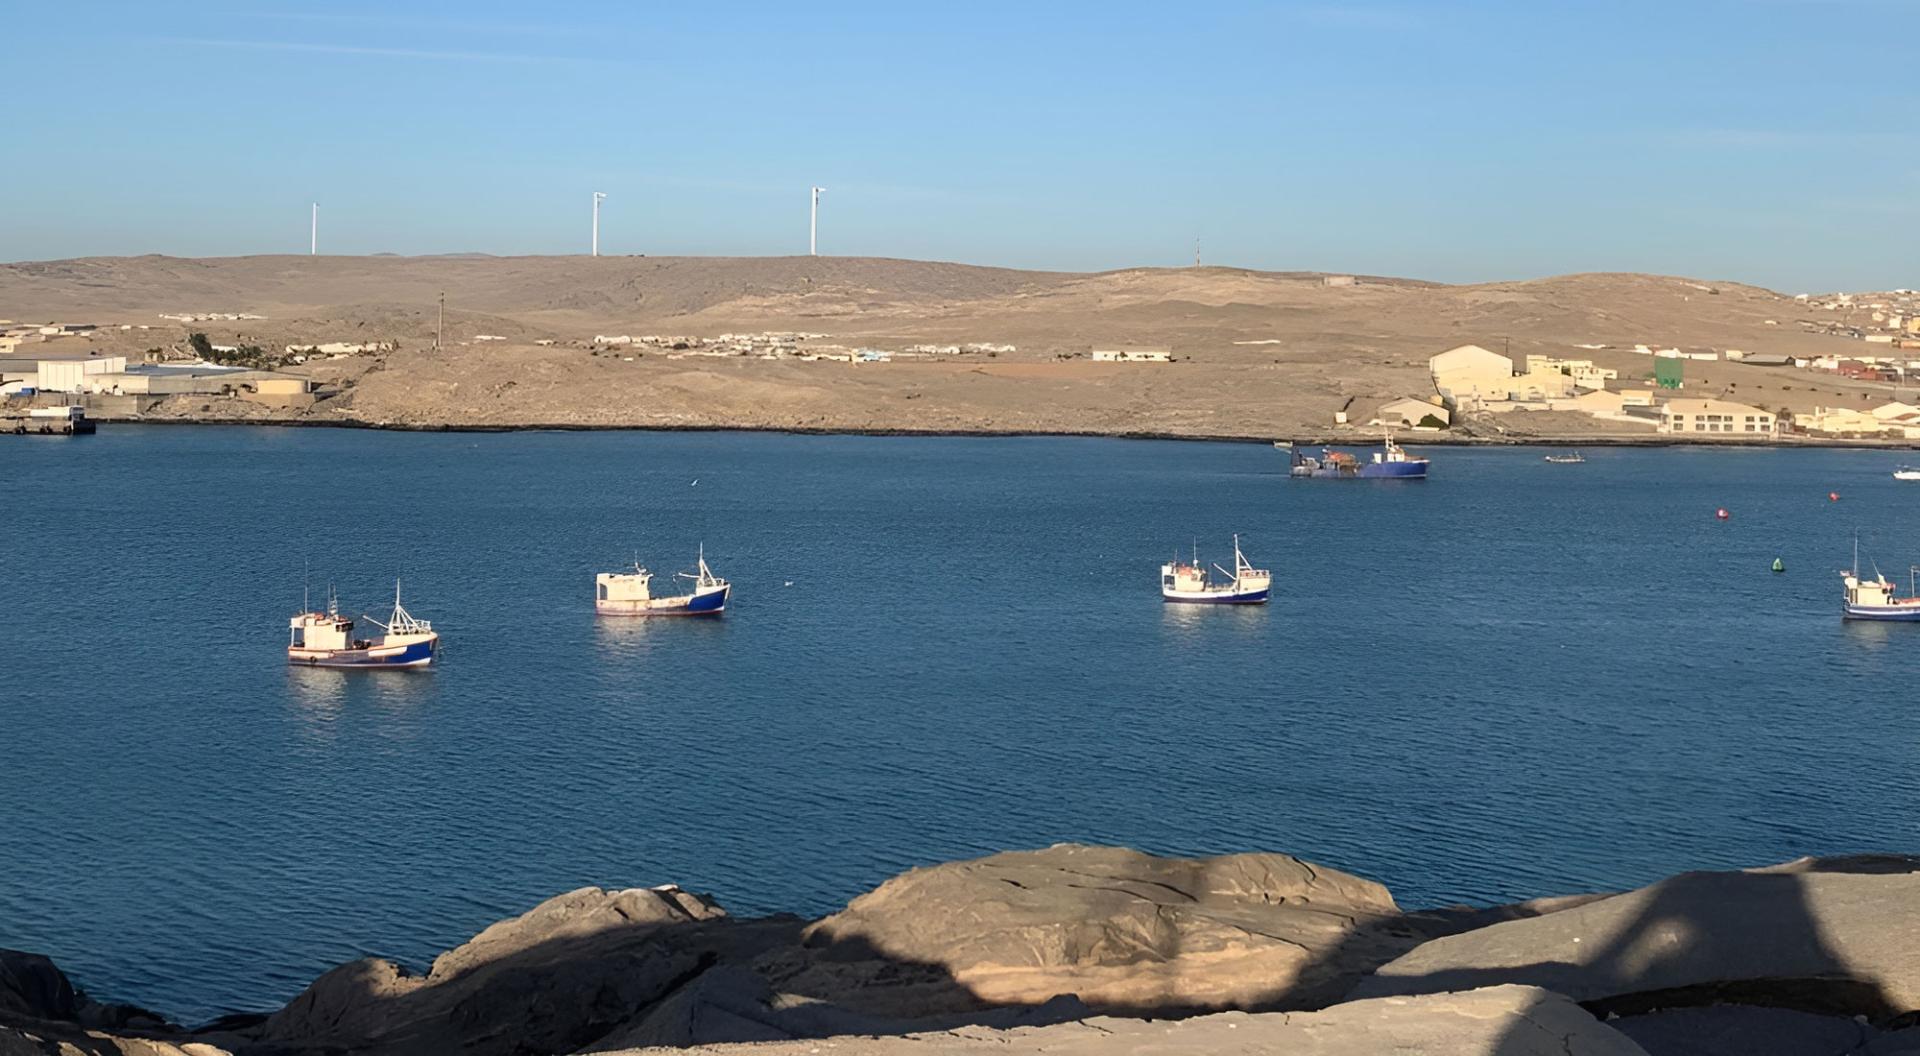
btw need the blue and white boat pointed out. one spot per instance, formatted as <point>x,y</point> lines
<point>325,639</point>
<point>1189,583</point>
<point>631,593</point>
<point>1878,598</point>
<point>1391,462</point>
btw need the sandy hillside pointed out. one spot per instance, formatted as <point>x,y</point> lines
<point>1259,353</point>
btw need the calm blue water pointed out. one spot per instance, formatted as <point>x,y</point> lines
<point>1516,679</point>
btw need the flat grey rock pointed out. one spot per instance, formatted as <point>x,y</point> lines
<point>1122,930</point>
<point>1738,1030</point>
<point>1500,1021</point>
<point>1814,935</point>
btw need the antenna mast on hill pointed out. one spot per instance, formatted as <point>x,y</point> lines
<point>813,225</point>
<point>313,245</point>
<point>598,197</point>
<point>1196,252</point>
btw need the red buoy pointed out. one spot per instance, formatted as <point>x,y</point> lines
<point>1833,496</point>
<point>1722,513</point>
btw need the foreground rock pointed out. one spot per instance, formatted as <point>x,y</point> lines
<point>1820,935</point>
<point>41,1011</point>
<point>552,980</point>
<point>1501,1021</point>
<point>1122,930</point>
<point>1740,1030</point>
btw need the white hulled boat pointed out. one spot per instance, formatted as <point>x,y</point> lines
<point>631,593</point>
<point>1189,582</point>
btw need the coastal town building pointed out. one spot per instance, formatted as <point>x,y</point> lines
<point>1691,417</point>
<point>1412,413</point>
<point>1469,376</point>
<point>1841,422</point>
<point>1901,417</point>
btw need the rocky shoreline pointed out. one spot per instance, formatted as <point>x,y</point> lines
<point>1347,439</point>
<point>1077,949</point>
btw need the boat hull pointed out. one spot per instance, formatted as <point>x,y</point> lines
<point>1216,597</point>
<point>418,651</point>
<point>1906,612</point>
<point>1416,470</point>
<point>702,603</point>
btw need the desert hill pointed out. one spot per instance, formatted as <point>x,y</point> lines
<point>1258,352</point>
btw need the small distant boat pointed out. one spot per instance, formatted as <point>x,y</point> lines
<point>325,639</point>
<point>1906,473</point>
<point>1389,463</point>
<point>1878,598</point>
<point>631,594</point>
<point>1190,583</point>
<point>1566,460</point>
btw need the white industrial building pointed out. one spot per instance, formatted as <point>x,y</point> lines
<point>1469,376</point>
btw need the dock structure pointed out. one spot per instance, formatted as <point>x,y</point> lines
<point>45,421</point>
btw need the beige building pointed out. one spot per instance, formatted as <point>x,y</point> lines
<point>1842,421</point>
<point>1409,413</point>
<point>1469,375</point>
<point>1548,384</point>
<point>1716,418</point>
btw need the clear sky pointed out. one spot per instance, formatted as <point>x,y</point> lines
<point>1770,141</point>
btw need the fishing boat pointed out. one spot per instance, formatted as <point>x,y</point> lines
<point>1190,583</point>
<point>631,593</point>
<point>1389,463</point>
<point>1566,460</point>
<point>1878,598</point>
<point>1906,473</point>
<point>325,639</point>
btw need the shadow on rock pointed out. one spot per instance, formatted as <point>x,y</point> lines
<point>1820,937</point>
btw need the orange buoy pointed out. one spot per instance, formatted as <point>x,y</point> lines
<point>1722,513</point>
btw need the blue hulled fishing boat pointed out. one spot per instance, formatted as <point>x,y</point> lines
<point>1391,462</point>
<point>325,639</point>
<point>631,593</point>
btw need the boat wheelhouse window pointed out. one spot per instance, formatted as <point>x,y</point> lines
<point>299,636</point>
<point>603,592</point>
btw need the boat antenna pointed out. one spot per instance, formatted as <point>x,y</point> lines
<point>306,584</point>
<point>1856,553</point>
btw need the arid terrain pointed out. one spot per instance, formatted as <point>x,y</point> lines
<point>1255,354</point>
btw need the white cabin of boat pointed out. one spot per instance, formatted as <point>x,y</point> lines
<point>629,588</point>
<point>1876,591</point>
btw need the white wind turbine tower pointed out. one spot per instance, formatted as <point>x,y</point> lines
<point>313,245</point>
<point>598,197</point>
<point>813,227</point>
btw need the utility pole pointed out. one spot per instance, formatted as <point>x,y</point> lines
<point>442,327</point>
<point>813,227</point>
<point>597,199</point>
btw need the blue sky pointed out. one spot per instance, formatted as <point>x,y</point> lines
<point>1770,141</point>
